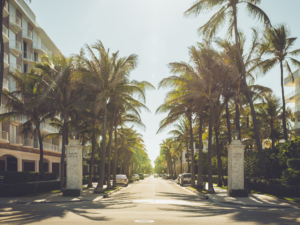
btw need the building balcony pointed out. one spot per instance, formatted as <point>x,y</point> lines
<point>292,96</point>
<point>6,64</point>
<point>27,56</point>
<point>5,10</point>
<point>15,23</point>
<point>3,137</point>
<point>5,84</point>
<point>14,67</point>
<point>17,119</point>
<point>17,140</point>
<point>5,34</point>
<point>47,146</point>
<point>288,81</point>
<point>15,47</point>
<point>28,142</point>
<point>27,35</point>
<point>41,48</point>
<point>3,109</point>
<point>49,128</point>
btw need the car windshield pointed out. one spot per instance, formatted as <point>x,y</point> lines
<point>121,176</point>
<point>187,175</point>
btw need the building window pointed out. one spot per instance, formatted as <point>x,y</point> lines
<point>25,68</point>
<point>36,59</point>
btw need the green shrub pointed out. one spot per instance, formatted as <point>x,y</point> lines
<point>294,164</point>
<point>238,193</point>
<point>291,177</point>
<point>13,177</point>
<point>215,179</point>
<point>19,189</point>
<point>71,192</point>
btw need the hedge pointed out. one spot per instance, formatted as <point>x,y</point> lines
<point>15,190</point>
<point>13,177</point>
<point>71,192</point>
<point>215,179</point>
<point>294,164</point>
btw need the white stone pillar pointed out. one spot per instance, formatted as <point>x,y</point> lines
<point>74,165</point>
<point>50,166</point>
<point>36,165</point>
<point>19,165</point>
<point>235,165</point>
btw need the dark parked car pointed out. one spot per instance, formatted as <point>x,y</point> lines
<point>141,175</point>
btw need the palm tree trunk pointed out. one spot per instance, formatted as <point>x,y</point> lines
<point>90,182</point>
<point>109,148</point>
<point>209,153</point>
<point>63,152</point>
<point>228,123</point>
<point>192,149</point>
<point>99,188</point>
<point>237,117</point>
<point>115,163</point>
<point>272,136</point>
<point>283,104</point>
<point>200,178</point>
<point>1,52</point>
<point>181,163</point>
<point>41,164</point>
<point>187,151</point>
<point>220,169</point>
<point>255,125</point>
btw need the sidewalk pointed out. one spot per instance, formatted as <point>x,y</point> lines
<point>88,195</point>
<point>254,200</point>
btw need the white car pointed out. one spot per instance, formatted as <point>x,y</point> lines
<point>135,177</point>
<point>122,179</point>
<point>178,178</point>
<point>185,179</point>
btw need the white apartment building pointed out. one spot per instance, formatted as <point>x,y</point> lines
<point>294,96</point>
<point>24,43</point>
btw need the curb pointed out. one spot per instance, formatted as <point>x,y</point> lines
<point>198,193</point>
<point>112,192</point>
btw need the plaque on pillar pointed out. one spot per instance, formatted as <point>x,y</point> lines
<point>74,167</point>
<point>235,165</point>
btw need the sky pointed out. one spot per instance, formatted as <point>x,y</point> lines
<point>157,32</point>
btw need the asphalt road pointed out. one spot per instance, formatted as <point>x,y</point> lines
<point>152,200</point>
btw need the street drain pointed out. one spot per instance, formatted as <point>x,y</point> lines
<point>144,221</point>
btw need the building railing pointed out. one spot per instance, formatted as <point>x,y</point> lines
<point>292,94</point>
<point>47,146</point>
<point>28,142</point>
<point>28,56</point>
<point>41,46</point>
<point>15,44</point>
<point>27,33</point>
<point>295,109</point>
<point>289,78</point>
<point>5,58</point>
<point>17,140</point>
<point>3,109</point>
<point>13,67</point>
<point>17,118</point>
<point>5,30</point>
<point>5,84</point>
<point>49,128</point>
<point>3,135</point>
<point>15,20</point>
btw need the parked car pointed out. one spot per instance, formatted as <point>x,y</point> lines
<point>166,176</point>
<point>155,175</point>
<point>185,179</point>
<point>141,175</point>
<point>122,179</point>
<point>160,175</point>
<point>135,177</point>
<point>178,178</point>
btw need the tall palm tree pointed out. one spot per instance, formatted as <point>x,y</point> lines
<point>228,12</point>
<point>64,93</point>
<point>279,43</point>
<point>25,102</point>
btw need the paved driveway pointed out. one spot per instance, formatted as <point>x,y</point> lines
<point>150,200</point>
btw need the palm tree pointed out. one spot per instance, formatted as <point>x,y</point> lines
<point>64,93</point>
<point>228,12</point>
<point>279,43</point>
<point>26,102</point>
